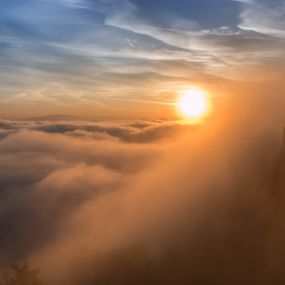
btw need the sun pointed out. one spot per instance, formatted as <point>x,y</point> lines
<point>193,103</point>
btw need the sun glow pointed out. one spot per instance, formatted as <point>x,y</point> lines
<point>193,103</point>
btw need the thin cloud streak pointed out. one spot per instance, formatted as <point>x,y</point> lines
<point>98,49</point>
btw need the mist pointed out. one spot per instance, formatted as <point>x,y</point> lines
<point>147,202</point>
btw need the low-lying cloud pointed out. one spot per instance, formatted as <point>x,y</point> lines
<point>125,131</point>
<point>145,202</point>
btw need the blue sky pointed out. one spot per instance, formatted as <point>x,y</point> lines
<point>63,54</point>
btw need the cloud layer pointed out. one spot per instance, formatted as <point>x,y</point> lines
<point>128,202</point>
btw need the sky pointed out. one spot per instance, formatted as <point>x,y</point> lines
<point>130,58</point>
<point>103,181</point>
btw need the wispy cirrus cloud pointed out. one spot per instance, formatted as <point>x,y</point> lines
<point>265,17</point>
<point>99,49</point>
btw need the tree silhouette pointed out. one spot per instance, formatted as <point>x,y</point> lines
<point>22,275</point>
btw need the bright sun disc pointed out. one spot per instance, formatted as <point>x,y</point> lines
<point>193,103</point>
